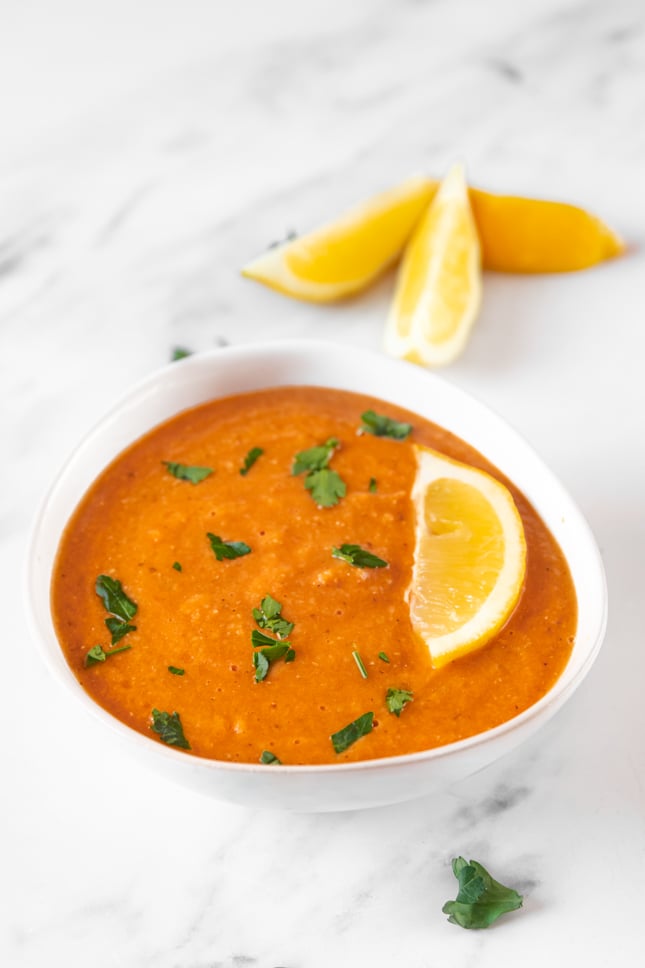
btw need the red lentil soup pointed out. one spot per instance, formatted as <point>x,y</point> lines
<point>191,652</point>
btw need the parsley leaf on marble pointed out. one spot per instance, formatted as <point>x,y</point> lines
<point>269,758</point>
<point>481,899</point>
<point>180,353</point>
<point>380,426</point>
<point>187,472</point>
<point>397,699</point>
<point>169,728</point>
<point>348,735</point>
<point>250,460</point>
<point>353,554</point>
<point>326,485</point>
<point>227,549</point>
<point>98,654</point>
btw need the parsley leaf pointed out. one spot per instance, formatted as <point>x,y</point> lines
<point>180,353</point>
<point>250,460</point>
<point>98,654</point>
<point>326,486</point>
<point>372,487</point>
<point>227,549</point>
<point>176,565</point>
<point>348,735</point>
<point>176,671</point>
<point>315,458</point>
<point>397,699</point>
<point>110,591</point>
<point>269,758</point>
<point>353,554</point>
<point>185,472</point>
<point>481,899</point>
<point>169,728</point>
<point>380,426</point>
<point>261,666</point>
<point>268,616</point>
<point>259,639</point>
<point>383,657</point>
<point>118,628</point>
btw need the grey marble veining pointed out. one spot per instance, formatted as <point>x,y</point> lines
<point>145,159</point>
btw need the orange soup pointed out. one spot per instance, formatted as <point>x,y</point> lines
<point>203,560</point>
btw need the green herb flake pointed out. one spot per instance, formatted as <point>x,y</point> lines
<point>349,734</point>
<point>176,671</point>
<point>372,486</point>
<point>325,485</point>
<point>169,728</point>
<point>227,549</point>
<point>269,759</point>
<point>250,460</point>
<point>117,603</point>
<point>180,353</point>
<point>176,565</point>
<point>261,666</point>
<point>383,656</point>
<point>269,616</point>
<point>397,699</point>
<point>359,662</point>
<point>380,426</point>
<point>98,654</point>
<point>481,899</point>
<point>314,459</point>
<point>353,554</point>
<point>186,472</point>
<point>118,628</point>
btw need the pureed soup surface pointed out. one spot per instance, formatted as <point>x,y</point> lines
<point>145,527</point>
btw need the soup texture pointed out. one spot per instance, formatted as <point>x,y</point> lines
<point>241,636</point>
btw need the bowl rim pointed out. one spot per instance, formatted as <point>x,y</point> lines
<point>47,643</point>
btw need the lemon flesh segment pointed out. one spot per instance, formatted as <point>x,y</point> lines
<point>438,291</point>
<point>470,556</point>
<point>344,256</point>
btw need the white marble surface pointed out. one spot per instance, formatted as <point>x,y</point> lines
<point>148,150</point>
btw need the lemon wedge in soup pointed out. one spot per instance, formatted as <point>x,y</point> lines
<point>470,556</point>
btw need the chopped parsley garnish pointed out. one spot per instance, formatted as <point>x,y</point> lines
<point>353,554</point>
<point>268,650</point>
<point>348,735</point>
<point>383,656</point>
<point>98,654</point>
<point>227,549</point>
<point>397,699</point>
<point>169,728</point>
<point>325,485</point>
<point>250,460</point>
<point>176,671</point>
<point>269,758</point>
<point>121,608</point>
<point>372,486</point>
<point>118,628</point>
<point>481,899</point>
<point>380,426</point>
<point>359,662</point>
<point>268,616</point>
<point>176,565</point>
<point>180,353</point>
<point>186,472</point>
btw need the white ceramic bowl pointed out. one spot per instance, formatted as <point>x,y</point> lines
<point>239,369</point>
